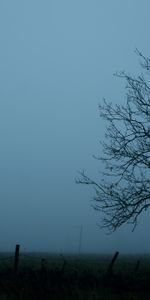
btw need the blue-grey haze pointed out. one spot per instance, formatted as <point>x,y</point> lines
<point>57,60</point>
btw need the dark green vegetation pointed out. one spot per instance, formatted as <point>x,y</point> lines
<point>84,277</point>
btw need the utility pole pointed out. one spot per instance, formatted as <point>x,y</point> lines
<point>80,238</point>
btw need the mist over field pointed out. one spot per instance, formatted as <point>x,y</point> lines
<point>57,60</point>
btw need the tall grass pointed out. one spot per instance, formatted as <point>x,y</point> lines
<point>82,277</point>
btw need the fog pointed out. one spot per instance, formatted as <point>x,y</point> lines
<point>57,60</point>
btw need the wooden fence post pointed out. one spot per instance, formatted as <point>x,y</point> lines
<point>16,258</point>
<point>111,265</point>
<point>43,271</point>
<point>43,264</point>
<point>137,266</point>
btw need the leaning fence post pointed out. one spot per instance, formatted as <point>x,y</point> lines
<point>110,268</point>
<point>16,258</point>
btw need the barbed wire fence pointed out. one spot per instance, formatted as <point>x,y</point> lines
<point>17,259</point>
<point>41,261</point>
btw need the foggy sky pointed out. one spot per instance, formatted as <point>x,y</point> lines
<point>57,60</point>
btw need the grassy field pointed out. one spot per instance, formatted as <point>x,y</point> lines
<point>85,277</point>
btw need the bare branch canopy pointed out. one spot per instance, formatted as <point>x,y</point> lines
<point>123,191</point>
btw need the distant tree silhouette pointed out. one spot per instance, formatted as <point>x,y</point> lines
<point>123,193</point>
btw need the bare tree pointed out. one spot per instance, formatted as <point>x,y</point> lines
<point>123,193</point>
